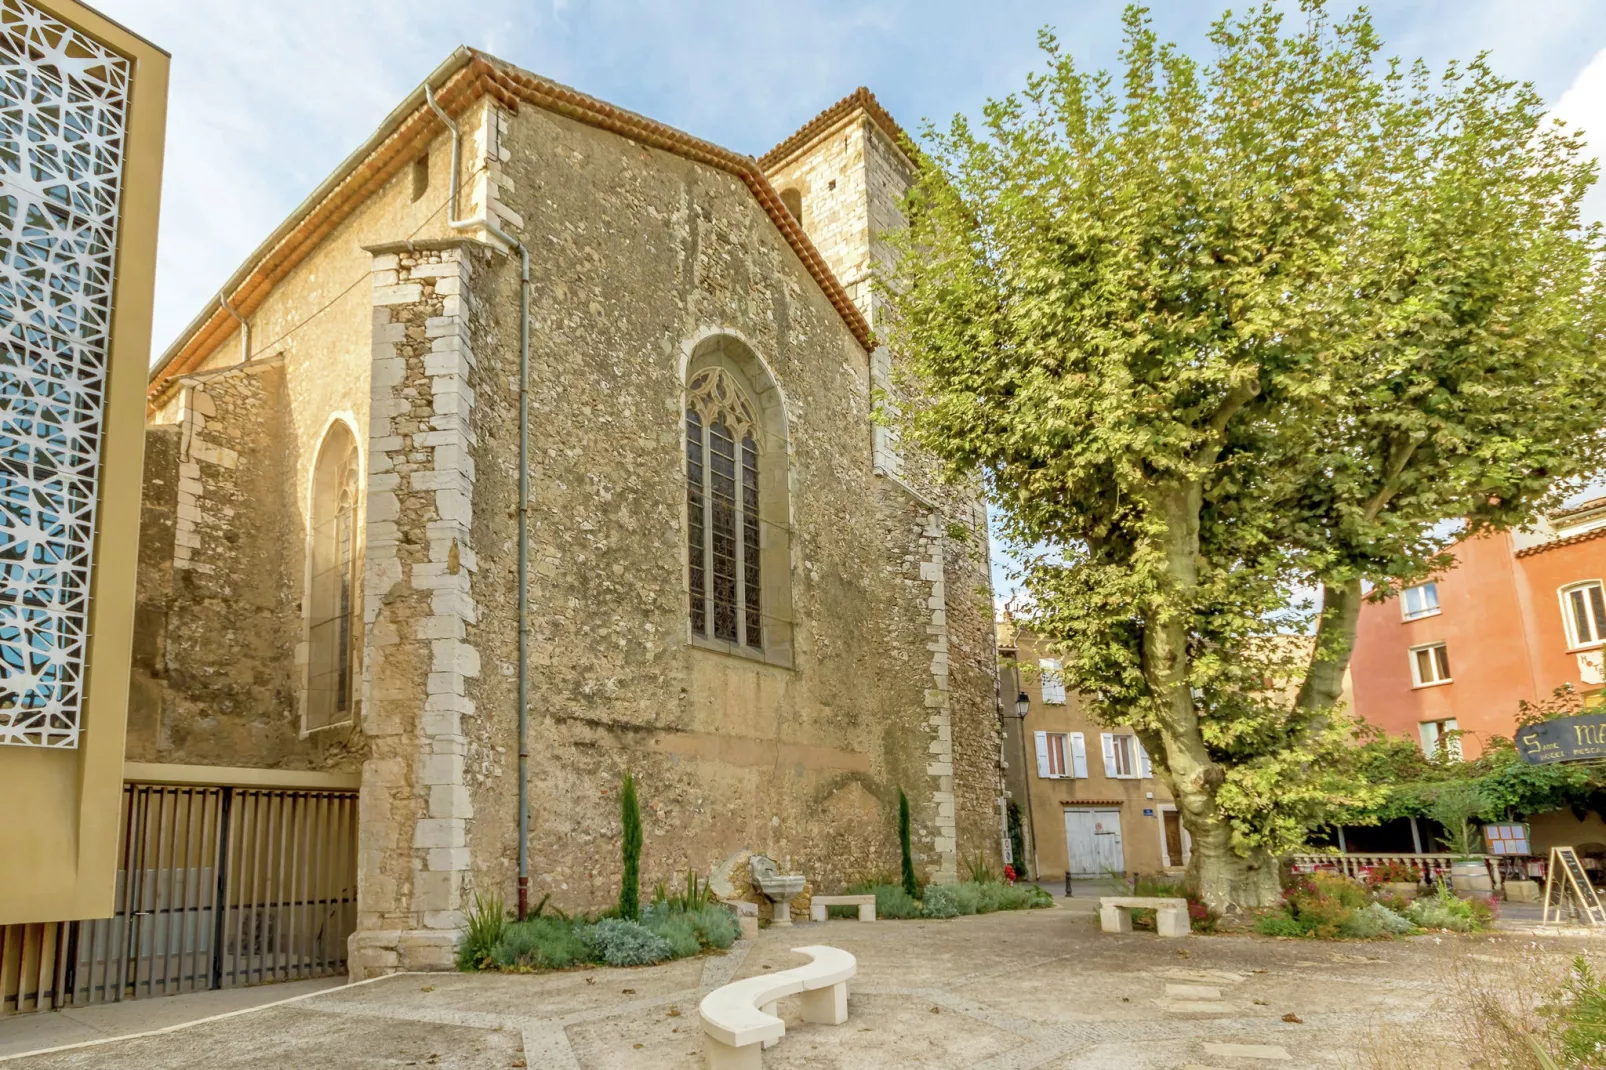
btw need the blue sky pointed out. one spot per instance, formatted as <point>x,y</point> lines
<point>266,98</point>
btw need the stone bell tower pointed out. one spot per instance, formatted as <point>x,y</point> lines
<point>843,175</point>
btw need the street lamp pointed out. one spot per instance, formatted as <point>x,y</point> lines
<point>1023,705</point>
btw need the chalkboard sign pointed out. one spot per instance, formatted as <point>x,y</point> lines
<point>1565,739</point>
<point>1566,875</point>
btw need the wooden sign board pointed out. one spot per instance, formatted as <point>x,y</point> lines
<point>1567,883</point>
<point>1505,839</point>
<point>1563,739</point>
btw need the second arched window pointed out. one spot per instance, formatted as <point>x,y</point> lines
<point>722,507</point>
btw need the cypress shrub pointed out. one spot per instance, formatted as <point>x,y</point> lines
<point>910,887</point>
<point>630,883</point>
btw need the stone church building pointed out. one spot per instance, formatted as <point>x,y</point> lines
<point>740,588</point>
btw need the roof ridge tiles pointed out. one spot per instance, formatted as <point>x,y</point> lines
<point>860,98</point>
<point>465,76</point>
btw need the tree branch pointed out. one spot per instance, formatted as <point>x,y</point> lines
<point>1400,454</point>
<point>1216,426</point>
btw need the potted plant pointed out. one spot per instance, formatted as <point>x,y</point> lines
<point>1456,806</point>
<point>1394,877</point>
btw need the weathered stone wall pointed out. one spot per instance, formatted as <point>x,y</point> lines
<point>147,691</point>
<point>414,811</point>
<point>853,178</point>
<point>314,329</point>
<point>215,677</point>
<point>639,255</point>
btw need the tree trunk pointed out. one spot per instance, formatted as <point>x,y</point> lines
<point>1335,643</point>
<point>1223,879</point>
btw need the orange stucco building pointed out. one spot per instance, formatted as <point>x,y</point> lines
<point>1521,614</point>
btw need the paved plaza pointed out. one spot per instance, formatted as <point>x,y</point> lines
<point>1038,989</point>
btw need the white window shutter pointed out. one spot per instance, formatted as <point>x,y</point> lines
<point>1052,681</point>
<point>1042,754</point>
<point>1108,739</point>
<point>1145,769</point>
<point>1078,756</point>
<point>1430,737</point>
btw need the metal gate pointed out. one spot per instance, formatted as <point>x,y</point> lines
<point>217,887</point>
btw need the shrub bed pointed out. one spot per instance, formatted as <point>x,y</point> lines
<point>1324,906</point>
<point>668,929</point>
<point>945,900</point>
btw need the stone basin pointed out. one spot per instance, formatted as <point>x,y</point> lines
<point>780,888</point>
<point>777,887</point>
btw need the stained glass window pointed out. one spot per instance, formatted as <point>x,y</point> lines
<point>722,506</point>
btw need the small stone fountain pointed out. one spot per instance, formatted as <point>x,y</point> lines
<point>777,887</point>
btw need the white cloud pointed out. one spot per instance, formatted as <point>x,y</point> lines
<point>1584,105</point>
<point>267,98</point>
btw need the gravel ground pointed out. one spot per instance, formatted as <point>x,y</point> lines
<point>1038,989</point>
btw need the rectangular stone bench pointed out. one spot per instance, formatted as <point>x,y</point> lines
<point>746,916</point>
<point>865,903</point>
<point>1170,917</point>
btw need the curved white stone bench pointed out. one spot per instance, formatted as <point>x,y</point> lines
<point>739,1019</point>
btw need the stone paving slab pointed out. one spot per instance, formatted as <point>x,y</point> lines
<point>1039,990</point>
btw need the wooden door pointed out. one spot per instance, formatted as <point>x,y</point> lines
<point>1093,842</point>
<point>1175,854</point>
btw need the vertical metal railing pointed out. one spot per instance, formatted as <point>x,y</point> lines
<point>220,887</point>
<point>34,966</point>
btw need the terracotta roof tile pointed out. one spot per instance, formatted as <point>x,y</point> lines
<point>1588,506</point>
<point>1556,544</point>
<point>458,83</point>
<point>859,98</point>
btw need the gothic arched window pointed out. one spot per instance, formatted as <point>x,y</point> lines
<point>332,582</point>
<point>722,511</point>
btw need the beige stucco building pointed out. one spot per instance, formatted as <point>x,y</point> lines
<point>1090,803</point>
<point>740,587</point>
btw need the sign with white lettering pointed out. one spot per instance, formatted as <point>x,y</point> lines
<point>1565,739</point>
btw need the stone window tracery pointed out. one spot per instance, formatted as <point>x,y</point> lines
<point>63,123</point>
<point>332,582</point>
<point>722,506</point>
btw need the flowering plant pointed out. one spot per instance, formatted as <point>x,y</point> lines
<point>1394,871</point>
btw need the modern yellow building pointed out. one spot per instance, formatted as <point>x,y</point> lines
<point>83,103</point>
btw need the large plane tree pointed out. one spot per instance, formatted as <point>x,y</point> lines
<point>1217,330</point>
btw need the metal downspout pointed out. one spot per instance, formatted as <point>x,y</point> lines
<point>485,223</point>
<point>245,328</point>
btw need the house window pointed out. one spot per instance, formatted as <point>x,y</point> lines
<point>1056,754</point>
<point>1061,755</point>
<point>1430,665</point>
<point>722,509</point>
<point>1584,612</point>
<point>1420,601</point>
<point>1441,734</point>
<point>332,582</point>
<point>1121,756</point>
<point>1052,681</point>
